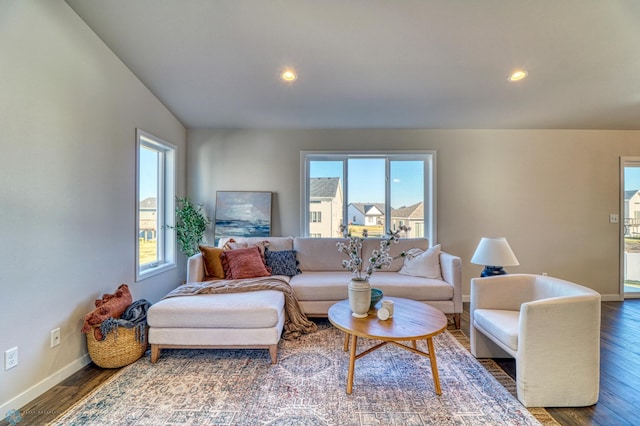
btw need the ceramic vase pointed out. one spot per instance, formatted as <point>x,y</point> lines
<point>359,297</point>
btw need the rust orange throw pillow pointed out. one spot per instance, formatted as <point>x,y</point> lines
<point>244,263</point>
<point>110,306</point>
<point>212,262</point>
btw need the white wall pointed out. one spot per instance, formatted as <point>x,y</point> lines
<point>549,192</point>
<point>68,113</point>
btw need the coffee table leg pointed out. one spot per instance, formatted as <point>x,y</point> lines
<point>352,363</point>
<point>434,366</point>
<point>346,342</point>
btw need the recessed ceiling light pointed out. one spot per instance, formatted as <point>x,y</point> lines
<point>288,75</point>
<point>518,75</point>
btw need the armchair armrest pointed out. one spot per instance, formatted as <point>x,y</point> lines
<point>195,268</point>
<point>568,324</point>
<point>565,329</point>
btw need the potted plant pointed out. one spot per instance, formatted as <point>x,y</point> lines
<point>191,223</point>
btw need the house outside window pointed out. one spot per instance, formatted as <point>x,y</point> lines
<point>377,191</point>
<point>155,195</point>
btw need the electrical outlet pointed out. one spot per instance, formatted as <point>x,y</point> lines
<point>55,337</point>
<point>613,218</point>
<point>10,358</point>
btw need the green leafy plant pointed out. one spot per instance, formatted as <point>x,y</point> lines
<point>191,222</point>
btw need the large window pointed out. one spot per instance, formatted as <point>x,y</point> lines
<point>155,195</point>
<point>376,191</point>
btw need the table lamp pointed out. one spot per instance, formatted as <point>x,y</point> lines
<point>494,253</point>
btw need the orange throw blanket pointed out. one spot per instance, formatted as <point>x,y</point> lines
<point>296,322</point>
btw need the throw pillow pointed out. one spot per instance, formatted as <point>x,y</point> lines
<point>282,262</point>
<point>110,306</point>
<point>244,263</point>
<point>420,263</point>
<point>234,245</point>
<point>212,262</point>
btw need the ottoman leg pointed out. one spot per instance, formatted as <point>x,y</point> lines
<point>273,351</point>
<point>155,353</point>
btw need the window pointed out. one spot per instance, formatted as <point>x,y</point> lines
<point>316,217</point>
<point>155,195</point>
<point>377,191</point>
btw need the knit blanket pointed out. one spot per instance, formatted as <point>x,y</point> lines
<point>296,322</point>
<point>134,316</point>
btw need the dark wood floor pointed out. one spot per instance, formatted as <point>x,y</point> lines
<point>619,378</point>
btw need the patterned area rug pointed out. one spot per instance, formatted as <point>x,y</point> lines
<point>307,387</point>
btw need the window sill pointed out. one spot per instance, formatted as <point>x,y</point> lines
<point>153,271</point>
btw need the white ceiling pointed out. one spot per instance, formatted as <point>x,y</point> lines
<point>381,63</point>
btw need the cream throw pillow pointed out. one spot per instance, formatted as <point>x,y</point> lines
<point>420,263</point>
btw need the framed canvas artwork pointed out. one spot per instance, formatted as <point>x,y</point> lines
<point>242,214</point>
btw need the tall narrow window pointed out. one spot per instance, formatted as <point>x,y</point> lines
<point>376,191</point>
<point>155,195</point>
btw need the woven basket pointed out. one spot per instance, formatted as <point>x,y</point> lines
<point>119,348</point>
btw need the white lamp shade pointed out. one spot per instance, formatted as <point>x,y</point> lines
<point>494,252</point>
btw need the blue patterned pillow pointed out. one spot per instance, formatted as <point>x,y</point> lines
<point>282,262</point>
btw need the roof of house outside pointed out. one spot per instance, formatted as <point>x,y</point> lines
<point>323,187</point>
<point>365,208</point>
<point>629,194</point>
<point>414,211</point>
<point>149,203</point>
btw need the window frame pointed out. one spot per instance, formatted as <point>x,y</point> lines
<point>430,188</point>
<point>165,204</point>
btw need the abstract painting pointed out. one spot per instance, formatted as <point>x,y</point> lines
<point>242,214</point>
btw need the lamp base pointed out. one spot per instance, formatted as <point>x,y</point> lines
<point>491,271</point>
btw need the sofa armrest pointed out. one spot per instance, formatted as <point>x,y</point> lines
<point>451,269</point>
<point>195,268</point>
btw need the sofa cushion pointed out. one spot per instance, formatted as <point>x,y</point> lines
<point>319,254</point>
<point>321,285</point>
<point>419,263</point>
<point>333,285</point>
<point>212,262</point>
<point>416,288</point>
<point>254,309</point>
<point>501,324</point>
<point>244,263</point>
<point>282,262</point>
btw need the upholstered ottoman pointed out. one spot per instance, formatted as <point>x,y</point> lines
<point>246,320</point>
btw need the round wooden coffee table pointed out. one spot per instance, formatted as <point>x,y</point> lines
<point>411,321</point>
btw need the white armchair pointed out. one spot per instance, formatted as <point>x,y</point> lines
<point>552,329</point>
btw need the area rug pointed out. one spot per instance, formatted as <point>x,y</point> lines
<point>307,387</point>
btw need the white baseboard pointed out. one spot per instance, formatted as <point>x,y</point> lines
<point>611,298</point>
<point>39,388</point>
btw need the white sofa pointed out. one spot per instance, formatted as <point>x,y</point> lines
<point>550,326</point>
<point>323,281</point>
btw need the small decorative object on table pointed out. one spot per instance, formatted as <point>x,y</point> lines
<point>360,293</point>
<point>376,296</point>
<point>388,305</point>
